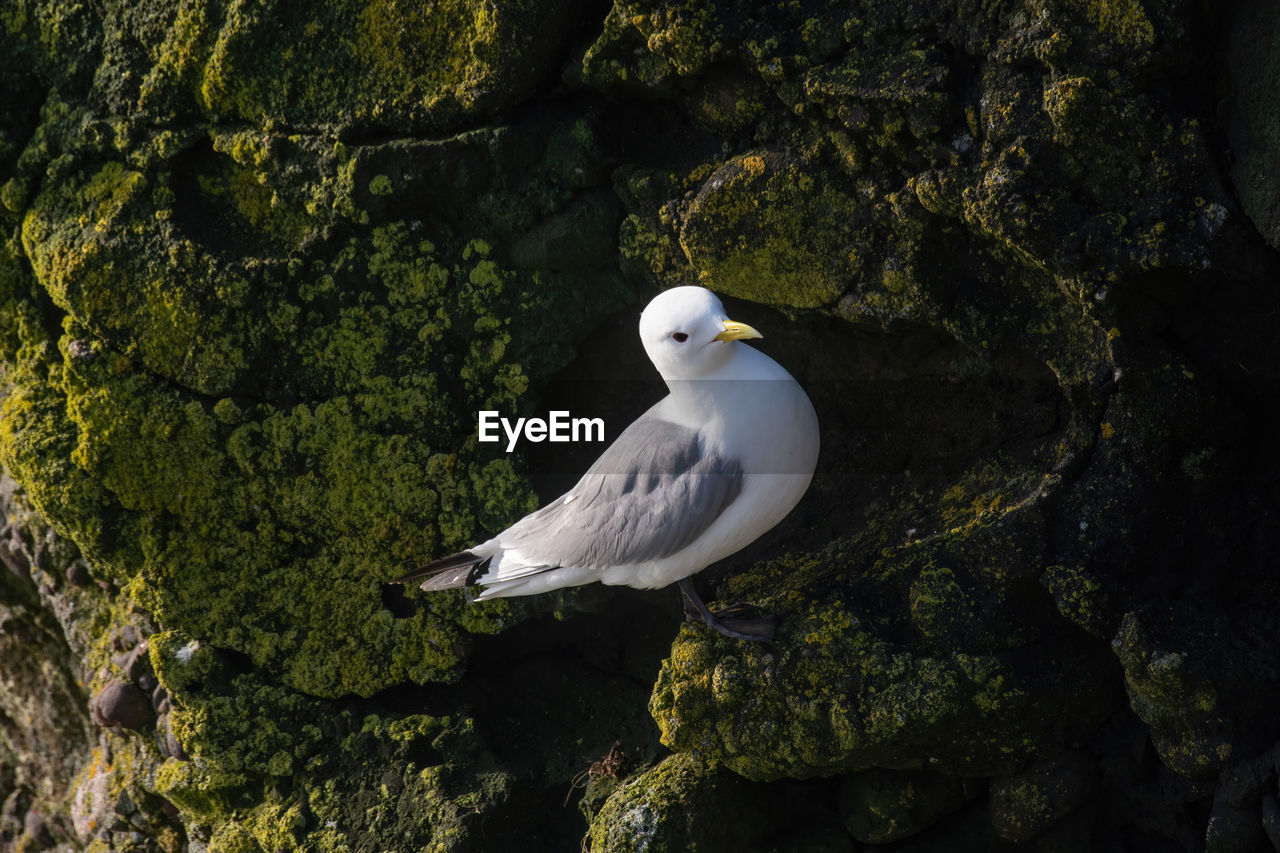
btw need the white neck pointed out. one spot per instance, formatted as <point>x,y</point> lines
<point>707,400</point>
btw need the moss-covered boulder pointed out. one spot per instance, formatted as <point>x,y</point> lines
<point>888,805</point>
<point>383,66</point>
<point>1024,805</point>
<point>211,372</point>
<point>681,805</point>
<point>760,228</point>
<point>836,694</point>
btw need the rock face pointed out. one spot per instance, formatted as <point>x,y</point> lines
<point>262,264</point>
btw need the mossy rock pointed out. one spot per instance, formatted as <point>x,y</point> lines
<point>270,768</point>
<point>833,697</point>
<point>1081,599</point>
<point>881,805</point>
<point>412,778</point>
<point>1173,693</point>
<point>939,653</point>
<point>680,804</point>
<point>221,404</point>
<point>387,65</point>
<point>1025,805</point>
<point>121,433</point>
<point>763,228</point>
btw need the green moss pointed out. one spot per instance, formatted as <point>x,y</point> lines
<point>680,804</point>
<point>303,492</point>
<point>1023,806</point>
<point>832,698</point>
<point>20,321</point>
<point>246,190</point>
<point>387,64</point>
<point>82,237</point>
<point>1173,693</point>
<point>1122,22</point>
<point>759,230</point>
<point>940,651</point>
<point>381,483</point>
<point>651,49</point>
<point>1081,599</point>
<point>274,770</point>
<point>881,805</point>
<point>245,483</point>
<point>940,608</point>
<point>233,838</point>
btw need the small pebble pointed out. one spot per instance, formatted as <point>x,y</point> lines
<point>121,706</point>
<point>136,663</point>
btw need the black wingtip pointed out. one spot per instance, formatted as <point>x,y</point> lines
<point>461,569</point>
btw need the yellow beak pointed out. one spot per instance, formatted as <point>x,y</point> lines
<point>735,331</point>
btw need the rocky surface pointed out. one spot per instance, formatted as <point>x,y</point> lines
<point>263,263</point>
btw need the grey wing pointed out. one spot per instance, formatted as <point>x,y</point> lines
<point>655,490</point>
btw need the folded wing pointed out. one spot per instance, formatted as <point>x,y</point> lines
<point>655,490</point>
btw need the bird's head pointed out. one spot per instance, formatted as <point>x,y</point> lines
<point>687,335</point>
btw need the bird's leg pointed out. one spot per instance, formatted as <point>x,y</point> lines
<point>735,622</point>
<point>690,601</point>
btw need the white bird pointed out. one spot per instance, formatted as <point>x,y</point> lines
<point>703,473</point>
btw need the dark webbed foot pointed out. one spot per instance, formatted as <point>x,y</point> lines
<point>740,621</point>
<point>746,622</point>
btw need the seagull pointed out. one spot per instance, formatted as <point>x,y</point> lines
<point>720,460</point>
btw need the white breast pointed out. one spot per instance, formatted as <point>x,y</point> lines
<point>756,412</point>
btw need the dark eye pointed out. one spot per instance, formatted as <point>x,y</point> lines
<point>679,337</point>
